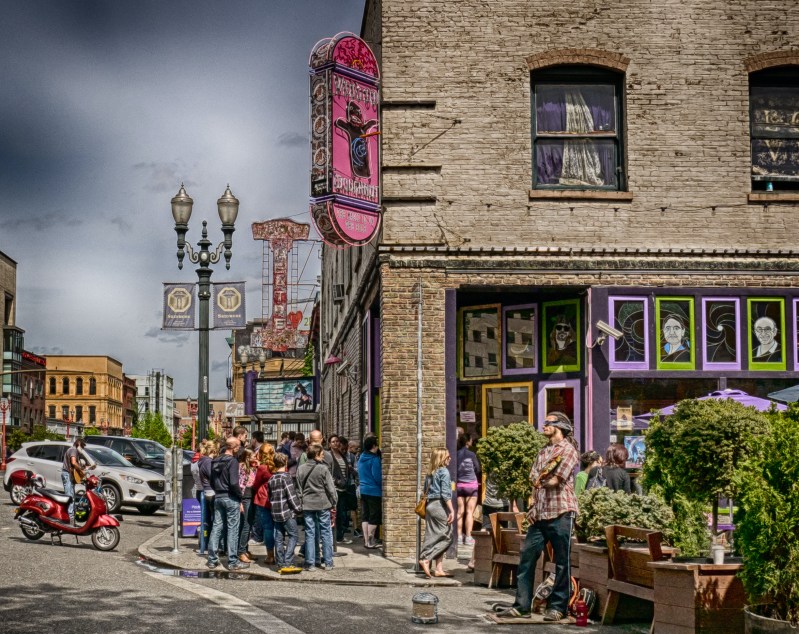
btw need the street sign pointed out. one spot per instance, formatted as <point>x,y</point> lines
<point>233,409</point>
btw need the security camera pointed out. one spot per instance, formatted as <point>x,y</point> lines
<point>608,330</point>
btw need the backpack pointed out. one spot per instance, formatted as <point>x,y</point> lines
<point>597,480</point>
<point>544,590</point>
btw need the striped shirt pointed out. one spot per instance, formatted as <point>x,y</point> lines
<point>561,459</point>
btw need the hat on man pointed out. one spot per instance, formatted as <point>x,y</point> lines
<point>562,422</point>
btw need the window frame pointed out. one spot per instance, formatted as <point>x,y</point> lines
<point>580,74</point>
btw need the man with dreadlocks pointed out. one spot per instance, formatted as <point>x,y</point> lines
<point>551,517</point>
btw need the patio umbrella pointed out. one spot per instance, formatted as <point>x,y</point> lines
<point>788,395</point>
<point>760,404</point>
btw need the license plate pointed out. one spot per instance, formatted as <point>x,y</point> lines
<point>159,498</point>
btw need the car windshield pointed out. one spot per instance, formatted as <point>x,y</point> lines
<point>107,457</point>
<point>152,449</point>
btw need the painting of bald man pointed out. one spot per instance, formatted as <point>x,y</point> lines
<point>767,333</point>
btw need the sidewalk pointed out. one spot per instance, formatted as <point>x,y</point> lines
<point>352,565</point>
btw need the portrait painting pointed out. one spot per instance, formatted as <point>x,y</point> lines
<point>766,319</point>
<point>674,317</point>
<point>560,336</point>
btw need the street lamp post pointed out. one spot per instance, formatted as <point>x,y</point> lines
<point>228,208</point>
<point>4,407</point>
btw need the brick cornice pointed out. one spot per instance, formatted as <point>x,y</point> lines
<point>771,59</point>
<point>589,56</point>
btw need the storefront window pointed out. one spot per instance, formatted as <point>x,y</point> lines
<point>506,403</point>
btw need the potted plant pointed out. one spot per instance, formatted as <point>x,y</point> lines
<point>766,531</point>
<point>602,507</point>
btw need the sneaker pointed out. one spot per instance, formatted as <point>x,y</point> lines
<point>307,569</point>
<point>344,541</point>
<point>553,616</point>
<point>514,613</point>
<point>357,534</point>
<point>212,564</point>
<point>323,566</point>
<point>469,541</point>
<point>239,565</point>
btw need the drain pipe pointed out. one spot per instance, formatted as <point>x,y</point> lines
<point>416,566</point>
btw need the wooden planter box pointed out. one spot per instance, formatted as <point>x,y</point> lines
<point>483,552</point>
<point>697,597</point>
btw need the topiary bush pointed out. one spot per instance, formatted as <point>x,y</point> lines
<point>602,507</point>
<point>508,453</point>
<point>767,524</point>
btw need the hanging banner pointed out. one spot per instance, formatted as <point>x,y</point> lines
<point>178,307</point>
<point>229,306</point>
<point>345,146</point>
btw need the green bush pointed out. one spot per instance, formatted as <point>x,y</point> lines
<point>767,525</point>
<point>508,454</point>
<point>602,507</point>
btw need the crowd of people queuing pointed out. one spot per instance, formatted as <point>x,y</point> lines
<point>253,492</point>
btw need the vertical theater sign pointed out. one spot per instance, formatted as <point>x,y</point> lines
<point>345,142</point>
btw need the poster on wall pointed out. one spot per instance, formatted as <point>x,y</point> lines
<point>480,336</point>
<point>560,336</point>
<point>674,318</point>
<point>636,448</point>
<point>285,395</point>
<point>766,319</point>
<point>630,315</point>
<point>519,336</point>
<point>721,333</point>
<point>506,403</point>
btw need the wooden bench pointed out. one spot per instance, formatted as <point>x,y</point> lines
<point>629,573</point>
<point>507,543</point>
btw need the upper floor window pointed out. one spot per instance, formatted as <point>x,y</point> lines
<point>577,128</point>
<point>65,385</point>
<point>51,411</point>
<point>52,385</point>
<point>79,386</point>
<point>774,120</point>
<point>92,386</point>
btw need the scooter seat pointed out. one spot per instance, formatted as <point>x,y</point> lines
<point>56,496</point>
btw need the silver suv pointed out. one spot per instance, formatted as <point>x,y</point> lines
<point>122,484</point>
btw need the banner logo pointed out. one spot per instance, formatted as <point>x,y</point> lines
<point>178,307</point>
<point>229,306</point>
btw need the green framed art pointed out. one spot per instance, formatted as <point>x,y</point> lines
<point>675,321</point>
<point>766,336</point>
<point>561,341</point>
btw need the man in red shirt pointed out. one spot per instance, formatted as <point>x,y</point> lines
<point>551,517</point>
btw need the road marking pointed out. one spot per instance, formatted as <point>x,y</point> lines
<point>262,620</point>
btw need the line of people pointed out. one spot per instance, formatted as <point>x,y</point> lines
<point>255,492</point>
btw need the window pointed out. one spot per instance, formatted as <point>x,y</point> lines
<point>92,414</point>
<point>774,121</point>
<point>51,410</point>
<point>64,412</point>
<point>92,386</point>
<point>52,385</point>
<point>65,385</point>
<point>577,122</point>
<point>79,386</point>
<point>79,413</point>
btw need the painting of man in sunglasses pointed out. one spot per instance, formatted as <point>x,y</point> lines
<point>562,348</point>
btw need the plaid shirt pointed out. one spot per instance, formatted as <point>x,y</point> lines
<point>283,495</point>
<point>551,503</point>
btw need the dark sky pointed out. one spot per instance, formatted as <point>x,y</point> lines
<point>106,107</point>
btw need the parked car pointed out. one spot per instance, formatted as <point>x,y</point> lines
<point>143,453</point>
<point>122,484</point>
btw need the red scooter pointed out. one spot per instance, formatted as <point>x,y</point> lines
<point>45,511</point>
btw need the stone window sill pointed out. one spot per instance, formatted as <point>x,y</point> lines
<point>774,197</point>
<point>579,194</point>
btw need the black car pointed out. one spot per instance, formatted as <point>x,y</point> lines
<point>143,453</point>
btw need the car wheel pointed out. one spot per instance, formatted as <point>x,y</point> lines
<point>149,509</point>
<point>112,497</point>
<point>105,538</point>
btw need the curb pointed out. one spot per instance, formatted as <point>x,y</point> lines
<point>148,554</point>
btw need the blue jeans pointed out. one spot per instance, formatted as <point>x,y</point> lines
<point>558,532</point>
<point>317,524</point>
<point>285,542</point>
<point>226,515</point>
<point>264,517</point>
<point>245,524</point>
<point>69,489</point>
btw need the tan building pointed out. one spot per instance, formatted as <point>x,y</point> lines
<point>129,407</point>
<point>186,415</point>
<point>546,167</point>
<point>87,391</point>
<point>12,342</point>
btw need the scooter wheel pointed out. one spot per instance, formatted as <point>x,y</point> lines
<point>31,532</point>
<point>106,538</point>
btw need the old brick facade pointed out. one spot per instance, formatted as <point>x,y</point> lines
<point>462,215</point>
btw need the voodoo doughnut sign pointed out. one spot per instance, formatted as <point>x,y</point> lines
<point>345,140</point>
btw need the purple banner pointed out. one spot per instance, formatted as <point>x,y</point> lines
<point>190,517</point>
<point>229,306</point>
<point>178,307</point>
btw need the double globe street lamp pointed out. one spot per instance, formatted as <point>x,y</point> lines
<point>228,207</point>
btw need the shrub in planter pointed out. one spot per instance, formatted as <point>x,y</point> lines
<point>508,453</point>
<point>767,531</point>
<point>694,452</point>
<point>602,507</point>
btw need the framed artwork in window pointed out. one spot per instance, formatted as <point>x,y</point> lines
<point>560,336</point>
<point>674,318</point>
<point>480,336</point>
<point>721,329</point>
<point>766,323</point>
<point>519,336</point>
<point>506,403</point>
<point>796,333</point>
<point>631,316</point>
<point>560,396</point>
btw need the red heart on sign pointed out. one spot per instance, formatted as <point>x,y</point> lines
<point>295,318</point>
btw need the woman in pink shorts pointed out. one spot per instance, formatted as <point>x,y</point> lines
<point>466,487</point>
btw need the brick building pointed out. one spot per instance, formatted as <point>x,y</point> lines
<point>545,167</point>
